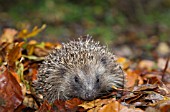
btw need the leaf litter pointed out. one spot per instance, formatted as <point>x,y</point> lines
<point>147,81</point>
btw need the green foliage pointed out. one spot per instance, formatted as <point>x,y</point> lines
<point>95,17</point>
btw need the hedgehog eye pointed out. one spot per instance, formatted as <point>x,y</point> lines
<point>103,60</point>
<point>76,79</point>
<point>97,80</point>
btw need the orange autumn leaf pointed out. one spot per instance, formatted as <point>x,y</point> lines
<point>14,54</point>
<point>117,107</point>
<point>111,107</point>
<point>132,77</point>
<point>97,104</point>
<point>124,62</point>
<point>34,74</point>
<point>73,103</point>
<point>15,75</point>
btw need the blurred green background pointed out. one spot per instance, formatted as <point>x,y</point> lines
<point>140,23</point>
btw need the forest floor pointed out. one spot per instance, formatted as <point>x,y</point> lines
<point>146,66</point>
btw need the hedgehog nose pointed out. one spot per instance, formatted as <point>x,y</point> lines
<point>89,96</point>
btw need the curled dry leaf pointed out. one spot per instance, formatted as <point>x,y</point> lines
<point>108,105</point>
<point>132,78</point>
<point>97,104</point>
<point>26,34</point>
<point>73,103</point>
<point>145,95</point>
<point>10,92</point>
<point>14,54</point>
<point>69,105</point>
<point>145,87</point>
<point>117,107</point>
<point>8,35</point>
<point>15,75</point>
<point>60,105</point>
<point>41,52</point>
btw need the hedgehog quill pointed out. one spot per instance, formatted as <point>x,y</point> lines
<point>81,68</point>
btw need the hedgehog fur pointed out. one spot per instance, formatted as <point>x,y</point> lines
<point>81,68</point>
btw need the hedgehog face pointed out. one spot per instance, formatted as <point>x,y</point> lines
<point>86,85</point>
<point>90,83</point>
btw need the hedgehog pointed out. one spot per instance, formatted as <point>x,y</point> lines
<point>81,69</point>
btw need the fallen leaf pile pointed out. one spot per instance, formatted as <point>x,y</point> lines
<point>147,81</point>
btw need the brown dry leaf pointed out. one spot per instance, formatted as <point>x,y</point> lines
<point>70,104</point>
<point>117,107</point>
<point>34,74</point>
<point>45,107</point>
<point>145,87</point>
<point>14,54</point>
<point>4,48</point>
<point>41,52</point>
<point>8,35</point>
<point>145,95</point>
<point>97,102</point>
<point>108,105</point>
<point>15,75</point>
<point>96,105</point>
<point>10,92</point>
<point>38,49</point>
<point>153,78</point>
<point>60,105</point>
<point>132,77</point>
<point>112,107</point>
<point>43,49</point>
<point>21,108</point>
<point>131,97</point>
<point>26,34</point>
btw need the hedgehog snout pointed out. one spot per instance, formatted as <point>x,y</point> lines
<point>88,95</point>
<point>90,91</point>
